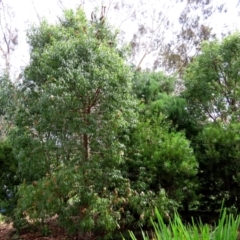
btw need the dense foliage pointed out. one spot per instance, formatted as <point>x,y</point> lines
<point>212,95</point>
<point>74,100</point>
<point>218,152</point>
<point>8,177</point>
<point>101,145</point>
<point>212,81</point>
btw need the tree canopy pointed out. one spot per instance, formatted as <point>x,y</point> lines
<point>212,80</point>
<point>74,99</point>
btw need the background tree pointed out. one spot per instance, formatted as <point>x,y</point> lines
<point>172,36</point>
<point>156,92</point>
<point>9,35</point>
<point>152,162</point>
<point>212,81</point>
<point>194,28</point>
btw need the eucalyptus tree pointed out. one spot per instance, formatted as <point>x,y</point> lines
<point>193,29</point>
<point>168,36</point>
<point>8,36</point>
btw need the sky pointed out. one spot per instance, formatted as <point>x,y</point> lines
<point>28,12</point>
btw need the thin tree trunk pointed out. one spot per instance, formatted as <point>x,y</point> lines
<point>86,146</point>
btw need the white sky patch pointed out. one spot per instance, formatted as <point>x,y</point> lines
<point>28,12</point>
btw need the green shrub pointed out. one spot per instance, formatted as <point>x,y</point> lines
<point>8,178</point>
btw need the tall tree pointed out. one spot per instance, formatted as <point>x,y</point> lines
<point>193,30</point>
<point>168,37</point>
<point>73,101</point>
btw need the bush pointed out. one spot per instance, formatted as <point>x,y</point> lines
<point>218,152</point>
<point>8,178</point>
<point>80,207</point>
<point>161,158</point>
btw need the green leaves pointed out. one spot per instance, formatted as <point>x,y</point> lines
<point>78,80</point>
<point>217,150</point>
<point>101,161</point>
<point>212,80</point>
<point>150,86</point>
<point>73,103</point>
<point>161,158</point>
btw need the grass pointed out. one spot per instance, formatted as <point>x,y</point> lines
<point>225,229</point>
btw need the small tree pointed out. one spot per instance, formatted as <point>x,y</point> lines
<point>159,157</point>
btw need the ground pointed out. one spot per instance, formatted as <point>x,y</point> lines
<point>7,232</point>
